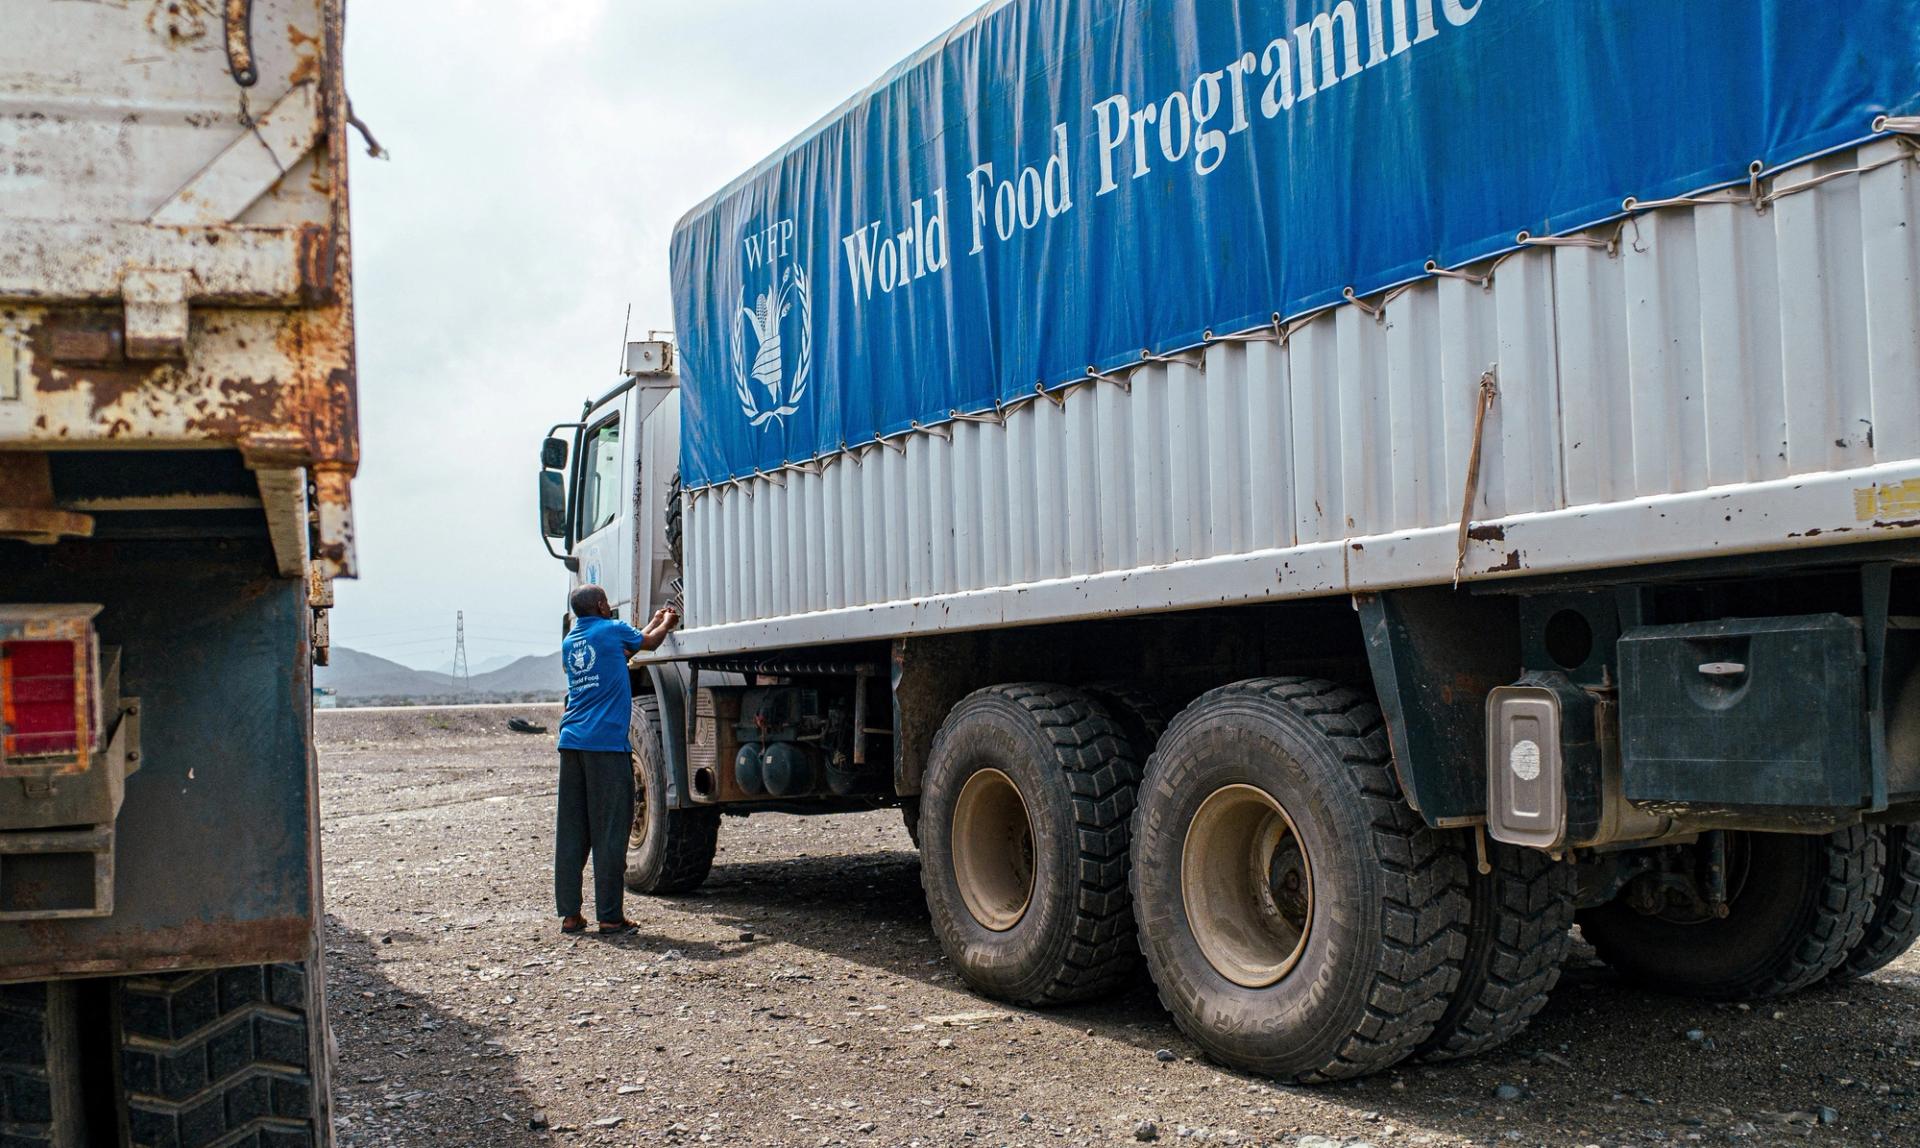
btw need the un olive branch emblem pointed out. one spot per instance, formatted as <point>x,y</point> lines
<point>767,371</point>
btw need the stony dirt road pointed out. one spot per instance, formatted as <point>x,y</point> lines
<point>800,999</point>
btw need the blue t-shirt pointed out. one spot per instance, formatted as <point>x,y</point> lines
<point>599,697</point>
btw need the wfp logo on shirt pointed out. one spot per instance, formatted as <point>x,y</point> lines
<point>773,329</point>
<point>580,658</point>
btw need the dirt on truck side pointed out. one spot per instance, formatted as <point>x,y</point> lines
<point>800,998</point>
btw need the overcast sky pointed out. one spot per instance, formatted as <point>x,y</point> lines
<point>542,152</point>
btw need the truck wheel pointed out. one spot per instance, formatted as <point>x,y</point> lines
<point>230,1056</point>
<point>1299,918</point>
<point>676,513</point>
<point>1024,830</point>
<point>1797,906</point>
<point>1519,930</point>
<point>670,850</point>
<point>1895,924</point>
<point>40,1093</point>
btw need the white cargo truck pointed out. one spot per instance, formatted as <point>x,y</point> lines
<point>1315,498</point>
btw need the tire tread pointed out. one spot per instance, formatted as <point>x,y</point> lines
<point>1516,942</point>
<point>692,835</point>
<point>1895,922</point>
<point>27,1053</point>
<point>219,1058</point>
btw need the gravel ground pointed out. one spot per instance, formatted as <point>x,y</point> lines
<point>801,999</point>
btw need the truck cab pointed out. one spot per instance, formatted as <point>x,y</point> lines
<point>746,736</point>
<point>606,488</point>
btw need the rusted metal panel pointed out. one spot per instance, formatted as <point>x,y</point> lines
<point>216,844</point>
<point>175,267</point>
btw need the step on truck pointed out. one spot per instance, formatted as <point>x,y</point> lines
<point>1314,499</point>
<point>177,440</point>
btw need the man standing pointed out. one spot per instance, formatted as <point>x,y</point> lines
<point>596,759</point>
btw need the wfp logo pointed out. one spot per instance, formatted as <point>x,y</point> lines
<point>773,329</point>
<point>580,657</point>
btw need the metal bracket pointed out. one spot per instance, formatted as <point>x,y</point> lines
<point>12,366</point>
<point>27,509</point>
<point>250,166</point>
<point>320,601</point>
<point>283,496</point>
<point>1876,593</point>
<point>156,307</point>
<point>240,60</point>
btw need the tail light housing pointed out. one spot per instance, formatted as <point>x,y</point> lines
<point>50,689</point>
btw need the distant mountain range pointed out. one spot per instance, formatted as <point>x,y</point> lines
<point>357,678</point>
<point>483,666</point>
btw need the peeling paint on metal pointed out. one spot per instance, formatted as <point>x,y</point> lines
<point>268,354</point>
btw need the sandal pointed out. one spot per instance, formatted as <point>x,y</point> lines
<point>573,924</point>
<point>617,928</point>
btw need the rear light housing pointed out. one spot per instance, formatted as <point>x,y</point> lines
<point>50,690</point>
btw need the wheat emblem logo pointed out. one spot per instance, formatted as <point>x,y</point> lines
<point>769,377</point>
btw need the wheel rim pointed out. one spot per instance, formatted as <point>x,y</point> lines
<point>1247,883</point>
<point>637,835</point>
<point>993,850</point>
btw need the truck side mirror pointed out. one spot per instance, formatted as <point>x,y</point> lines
<point>553,454</point>
<point>553,503</point>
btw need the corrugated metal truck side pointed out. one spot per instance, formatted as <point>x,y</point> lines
<point>177,441</point>
<point>1312,502</point>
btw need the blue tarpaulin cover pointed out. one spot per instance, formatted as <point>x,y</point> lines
<point>1058,185</point>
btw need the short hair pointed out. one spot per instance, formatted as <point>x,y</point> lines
<point>587,601</point>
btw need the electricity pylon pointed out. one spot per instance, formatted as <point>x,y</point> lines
<point>460,651</point>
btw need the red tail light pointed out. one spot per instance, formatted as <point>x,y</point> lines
<point>49,687</point>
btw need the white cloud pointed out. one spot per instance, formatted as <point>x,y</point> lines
<point>541,154</point>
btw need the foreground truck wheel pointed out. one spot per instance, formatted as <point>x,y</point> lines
<point>1518,934</point>
<point>224,1056</point>
<point>1298,917</point>
<point>232,1056</point>
<point>670,850</point>
<point>1797,907</point>
<point>1024,829</point>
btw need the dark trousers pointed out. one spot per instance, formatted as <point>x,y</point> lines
<point>596,815</point>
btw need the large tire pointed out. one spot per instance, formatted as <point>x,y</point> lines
<point>1517,936</point>
<point>676,519</point>
<point>1797,907</point>
<point>1032,778</point>
<point>1141,714</point>
<point>669,850</point>
<point>40,1096</point>
<point>1895,924</point>
<point>1335,918</point>
<point>230,1056</point>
